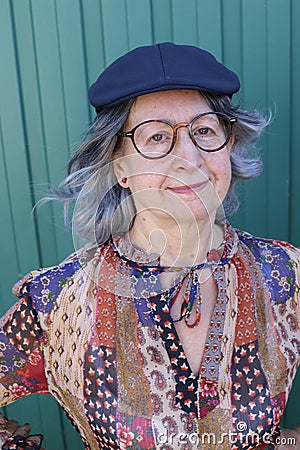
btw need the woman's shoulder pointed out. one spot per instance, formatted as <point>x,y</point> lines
<point>277,260</point>
<point>274,263</point>
<point>267,248</point>
<point>45,284</point>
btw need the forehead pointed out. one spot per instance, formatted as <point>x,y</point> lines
<point>176,105</point>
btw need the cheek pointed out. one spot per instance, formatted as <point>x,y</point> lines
<point>226,178</point>
<point>222,173</point>
<point>142,173</point>
<point>227,170</point>
<point>223,164</point>
<point>144,180</point>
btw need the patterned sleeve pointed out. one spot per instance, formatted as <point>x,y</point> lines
<point>296,258</point>
<point>294,254</point>
<point>298,281</point>
<point>21,367</point>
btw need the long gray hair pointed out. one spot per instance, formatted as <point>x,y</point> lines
<point>103,207</point>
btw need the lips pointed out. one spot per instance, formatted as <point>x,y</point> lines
<point>188,188</point>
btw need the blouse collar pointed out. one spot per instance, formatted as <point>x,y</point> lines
<point>136,256</point>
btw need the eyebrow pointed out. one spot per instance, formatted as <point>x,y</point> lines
<point>171,122</point>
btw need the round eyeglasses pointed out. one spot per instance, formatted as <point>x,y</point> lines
<point>155,139</point>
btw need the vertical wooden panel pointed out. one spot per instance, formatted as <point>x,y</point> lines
<point>233,58</point>
<point>91,14</point>
<point>14,145</point>
<point>254,94</point>
<point>162,20</point>
<point>294,125</point>
<point>115,29</point>
<point>278,85</point>
<point>73,74</point>
<point>10,266</point>
<point>34,128</point>
<point>53,107</point>
<point>231,17</point>
<point>184,22</point>
<point>52,96</point>
<point>209,27</point>
<point>139,23</point>
<point>292,414</point>
<point>15,163</point>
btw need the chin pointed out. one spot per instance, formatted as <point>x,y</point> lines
<point>192,214</point>
<point>201,211</point>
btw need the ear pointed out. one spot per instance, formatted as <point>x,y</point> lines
<point>119,168</point>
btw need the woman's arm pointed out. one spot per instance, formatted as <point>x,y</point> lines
<point>21,366</point>
<point>21,357</point>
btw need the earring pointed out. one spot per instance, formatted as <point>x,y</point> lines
<point>124,180</point>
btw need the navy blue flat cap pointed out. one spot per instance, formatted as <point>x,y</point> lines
<point>161,67</point>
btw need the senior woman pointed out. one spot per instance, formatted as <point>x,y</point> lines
<point>168,329</point>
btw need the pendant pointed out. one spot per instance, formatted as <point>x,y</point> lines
<point>197,320</point>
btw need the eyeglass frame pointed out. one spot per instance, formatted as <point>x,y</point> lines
<point>130,134</point>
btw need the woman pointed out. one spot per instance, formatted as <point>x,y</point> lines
<point>169,329</point>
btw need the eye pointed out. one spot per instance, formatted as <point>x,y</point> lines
<point>203,131</point>
<point>157,137</point>
<point>153,134</point>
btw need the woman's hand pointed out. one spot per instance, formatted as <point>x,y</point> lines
<point>290,439</point>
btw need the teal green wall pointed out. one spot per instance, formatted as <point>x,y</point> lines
<point>50,51</point>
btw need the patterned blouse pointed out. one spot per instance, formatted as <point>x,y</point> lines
<point>96,333</point>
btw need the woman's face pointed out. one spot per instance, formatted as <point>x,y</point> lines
<point>186,184</point>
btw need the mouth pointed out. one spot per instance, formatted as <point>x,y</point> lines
<point>187,189</point>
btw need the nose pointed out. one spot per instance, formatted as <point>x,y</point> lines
<point>185,148</point>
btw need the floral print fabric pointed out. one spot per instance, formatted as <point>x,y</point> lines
<point>96,333</point>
